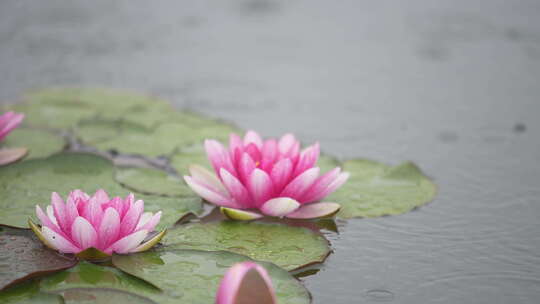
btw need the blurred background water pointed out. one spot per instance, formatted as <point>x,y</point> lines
<point>450,85</point>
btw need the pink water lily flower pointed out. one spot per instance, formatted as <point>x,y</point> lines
<point>245,283</point>
<point>8,122</point>
<point>108,225</point>
<point>273,177</point>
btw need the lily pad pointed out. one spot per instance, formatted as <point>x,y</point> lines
<point>23,185</point>
<point>23,256</point>
<point>28,293</point>
<point>375,189</point>
<point>327,163</point>
<point>90,276</point>
<point>191,276</point>
<point>102,296</point>
<point>39,143</point>
<point>286,246</point>
<point>194,154</point>
<point>152,181</point>
<point>163,140</point>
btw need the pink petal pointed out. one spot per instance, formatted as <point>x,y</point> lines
<point>145,217</point>
<point>338,182</point>
<point>131,219</point>
<point>128,243</point>
<point>281,173</point>
<point>76,195</point>
<point>59,242</point>
<point>254,138</point>
<point>286,142</point>
<point>280,206</point>
<point>308,158</point>
<point>246,282</point>
<point>109,228</point>
<point>320,185</point>
<point>315,210</point>
<point>254,153</point>
<point>11,155</point>
<point>152,222</point>
<point>245,167</point>
<point>209,194</point>
<point>93,212</point>
<point>269,153</point>
<point>46,221</point>
<point>100,197</point>
<point>218,156</point>
<point>301,183</point>
<point>260,187</point>
<point>8,122</point>
<point>83,233</point>
<point>50,215</point>
<point>60,213</point>
<point>117,203</point>
<point>71,211</point>
<point>235,142</point>
<point>235,188</point>
<point>205,177</point>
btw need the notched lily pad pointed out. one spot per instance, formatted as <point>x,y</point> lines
<point>23,185</point>
<point>22,256</point>
<point>375,189</point>
<point>288,247</point>
<point>152,181</point>
<point>191,276</point>
<point>40,143</point>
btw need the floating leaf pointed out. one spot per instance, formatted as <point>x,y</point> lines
<point>191,276</point>
<point>23,185</point>
<point>89,276</point>
<point>102,296</point>
<point>152,181</point>
<point>194,154</point>
<point>23,256</point>
<point>327,163</point>
<point>28,293</point>
<point>39,143</point>
<point>375,189</point>
<point>288,247</point>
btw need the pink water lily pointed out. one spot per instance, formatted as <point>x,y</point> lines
<point>245,283</point>
<point>108,225</point>
<point>8,122</point>
<point>254,178</point>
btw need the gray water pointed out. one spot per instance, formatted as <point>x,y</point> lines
<point>451,85</point>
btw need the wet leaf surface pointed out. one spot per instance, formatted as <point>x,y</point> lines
<point>375,189</point>
<point>31,182</point>
<point>191,276</point>
<point>28,293</point>
<point>286,246</point>
<point>23,256</point>
<point>102,296</point>
<point>152,181</point>
<point>40,143</point>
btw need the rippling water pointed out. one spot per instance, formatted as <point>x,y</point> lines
<point>452,86</point>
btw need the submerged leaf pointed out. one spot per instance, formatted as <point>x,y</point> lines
<point>286,246</point>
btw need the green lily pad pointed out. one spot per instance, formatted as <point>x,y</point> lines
<point>88,275</point>
<point>286,246</point>
<point>152,181</point>
<point>28,293</point>
<point>327,163</point>
<point>191,276</point>
<point>102,296</point>
<point>375,189</point>
<point>23,185</point>
<point>163,140</point>
<point>23,256</point>
<point>39,143</point>
<point>194,154</point>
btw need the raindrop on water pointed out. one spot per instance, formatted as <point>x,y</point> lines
<point>379,295</point>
